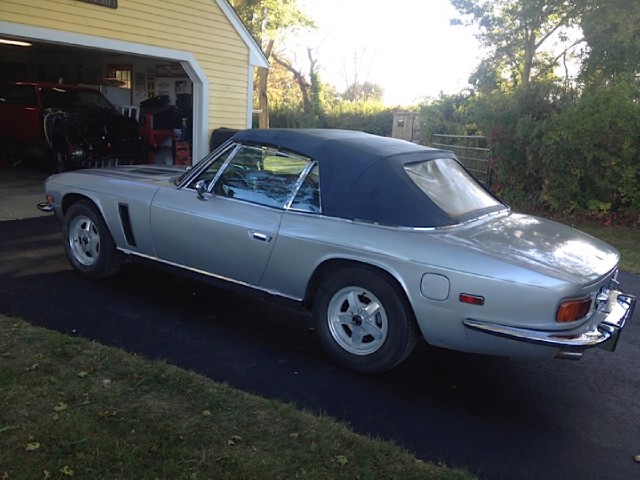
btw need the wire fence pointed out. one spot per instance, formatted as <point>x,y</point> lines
<point>472,152</point>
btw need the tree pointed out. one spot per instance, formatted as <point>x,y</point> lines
<point>612,32</point>
<point>363,92</point>
<point>310,89</point>
<point>283,91</point>
<point>268,21</point>
<point>515,31</point>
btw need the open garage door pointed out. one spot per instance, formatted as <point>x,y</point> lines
<point>164,90</point>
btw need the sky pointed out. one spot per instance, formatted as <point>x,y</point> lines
<point>406,46</point>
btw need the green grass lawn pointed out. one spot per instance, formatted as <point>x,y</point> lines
<point>71,408</point>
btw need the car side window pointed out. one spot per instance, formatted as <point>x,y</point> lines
<point>261,175</point>
<point>20,95</point>
<point>308,197</point>
<point>209,173</point>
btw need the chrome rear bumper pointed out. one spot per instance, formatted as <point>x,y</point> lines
<point>605,335</point>
<point>45,207</point>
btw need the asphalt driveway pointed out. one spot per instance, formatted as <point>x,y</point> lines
<point>21,187</point>
<point>500,418</point>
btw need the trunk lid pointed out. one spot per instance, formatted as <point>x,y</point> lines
<point>541,245</point>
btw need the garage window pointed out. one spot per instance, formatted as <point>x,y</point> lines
<point>123,73</point>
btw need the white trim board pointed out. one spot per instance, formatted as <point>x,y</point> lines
<point>257,58</point>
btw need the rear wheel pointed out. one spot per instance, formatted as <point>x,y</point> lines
<point>363,320</point>
<point>88,244</point>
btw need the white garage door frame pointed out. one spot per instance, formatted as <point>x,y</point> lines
<point>186,59</point>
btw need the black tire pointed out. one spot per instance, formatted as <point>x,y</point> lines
<point>363,320</point>
<point>88,244</point>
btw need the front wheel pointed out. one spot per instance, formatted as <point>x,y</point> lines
<point>363,320</point>
<point>88,244</point>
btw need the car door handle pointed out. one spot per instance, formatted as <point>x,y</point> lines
<point>261,236</point>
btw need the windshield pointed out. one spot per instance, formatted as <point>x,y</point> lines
<point>452,188</point>
<point>59,97</point>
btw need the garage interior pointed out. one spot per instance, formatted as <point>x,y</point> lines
<point>157,92</point>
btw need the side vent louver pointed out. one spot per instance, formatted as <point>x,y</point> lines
<point>125,220</point>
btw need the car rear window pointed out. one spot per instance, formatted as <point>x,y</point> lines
<point>452,188</point>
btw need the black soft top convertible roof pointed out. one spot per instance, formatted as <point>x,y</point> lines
<point>362,176</point>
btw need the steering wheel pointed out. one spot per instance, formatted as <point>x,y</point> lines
<point>233,178</point>
<point>236,178</point>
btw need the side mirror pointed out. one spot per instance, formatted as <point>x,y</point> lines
<point>201,189</point>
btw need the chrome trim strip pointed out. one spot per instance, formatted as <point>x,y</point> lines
<point>209,274</point>
<point>605,335</point>
<point>223,167</point>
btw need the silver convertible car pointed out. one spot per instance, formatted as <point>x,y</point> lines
<point>383,240</point>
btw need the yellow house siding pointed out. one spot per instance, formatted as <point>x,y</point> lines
<point>196,26</point>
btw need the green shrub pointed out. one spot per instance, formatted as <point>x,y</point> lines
<point>371,117</point>
<point>564,154</point>
<point>449,115</point>
<point>512,123</point>
<point>590,153</point>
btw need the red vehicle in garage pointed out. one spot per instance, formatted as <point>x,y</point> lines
<point>68,125</point>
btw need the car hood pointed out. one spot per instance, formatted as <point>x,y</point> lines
<point>141,173</point>
<point>540,245</point>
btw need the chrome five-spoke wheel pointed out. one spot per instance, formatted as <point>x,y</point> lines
<point>84,240</point>
<point>357,320</point>
<point>363,319</point>
<point>88,244</point>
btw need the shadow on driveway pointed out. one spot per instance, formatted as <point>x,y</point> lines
<point>501,418</point>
